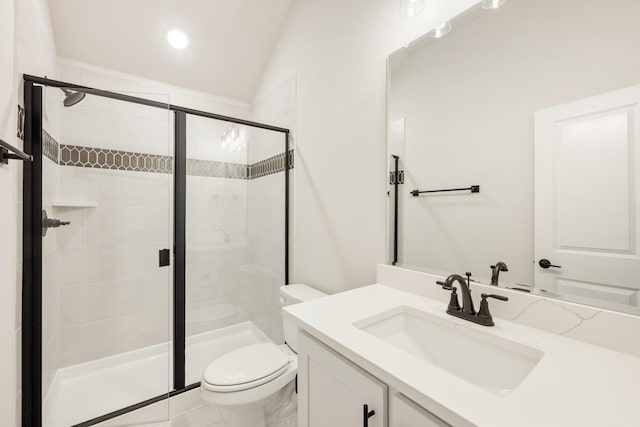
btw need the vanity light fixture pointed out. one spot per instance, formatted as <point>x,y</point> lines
<point>492,4</point>
<point>411,8</point>
<point>441,30</point>
<point>177,39</point>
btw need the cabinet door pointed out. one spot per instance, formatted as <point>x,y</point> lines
<point>405,413</point>
<point>333,392</point>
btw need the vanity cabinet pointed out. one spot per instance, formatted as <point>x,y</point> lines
<point>332,391</point>
<point>406,413</point>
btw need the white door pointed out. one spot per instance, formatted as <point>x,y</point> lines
<point>333,392</point>
<point>586,200</point>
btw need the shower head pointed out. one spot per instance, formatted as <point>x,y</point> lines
<point>72,98</point>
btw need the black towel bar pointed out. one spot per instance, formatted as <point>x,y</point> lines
<point>473,189</point>
<point>6,151</point>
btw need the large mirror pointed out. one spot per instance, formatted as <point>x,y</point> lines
<point>531,111</point>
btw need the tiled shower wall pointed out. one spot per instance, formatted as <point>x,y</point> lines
<point>104,293</point>
<point>112,296</point>
<point>50,247</point>
<point>225,283</point>
<point>216,228</point>
<point>108,294</point>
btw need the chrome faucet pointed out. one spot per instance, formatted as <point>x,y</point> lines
<point>495,272</point>
<point>467,311</point>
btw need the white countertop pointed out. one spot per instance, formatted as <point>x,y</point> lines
<point>574,385</point>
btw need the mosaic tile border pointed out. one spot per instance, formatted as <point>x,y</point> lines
<point>49,147</point>
<point>291,157</point>
<point>101,158</point>
<point>217,169</point>
<point>271,165</point>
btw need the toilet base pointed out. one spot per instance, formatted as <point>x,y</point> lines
<point>244,417</point>
<point>279,410</point>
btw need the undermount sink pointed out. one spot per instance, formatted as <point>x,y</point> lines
<point>488,361</point>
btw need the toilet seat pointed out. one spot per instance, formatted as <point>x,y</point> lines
<point>245,368</point>
<point>270,384</point>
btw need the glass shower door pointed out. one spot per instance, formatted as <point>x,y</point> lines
<point>107,197</point>
<point>235,239</point>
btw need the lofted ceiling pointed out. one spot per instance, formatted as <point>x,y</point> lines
<point>230,40</point>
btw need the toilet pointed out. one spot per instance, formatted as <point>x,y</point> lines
<point>254,386</point>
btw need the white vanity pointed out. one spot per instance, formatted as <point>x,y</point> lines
<point>413,365</point>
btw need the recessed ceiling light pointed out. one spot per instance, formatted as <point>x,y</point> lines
<point>177,38</point>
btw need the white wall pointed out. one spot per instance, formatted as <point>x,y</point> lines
<point>338,51</point>
<point>9,316</point>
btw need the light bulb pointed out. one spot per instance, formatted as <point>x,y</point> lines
<point>492,4</point>
<point>411,8</point>
<point>441,30</point>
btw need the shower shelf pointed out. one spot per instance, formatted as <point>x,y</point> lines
<point>73,204</point>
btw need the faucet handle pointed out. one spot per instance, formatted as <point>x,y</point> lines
<point>468,274</point>
<point>444,286</point>
<point>453,301</point>
<point>484,314</point>
<point>500,297</point>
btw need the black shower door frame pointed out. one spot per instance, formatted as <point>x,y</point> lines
<point>31,369</point>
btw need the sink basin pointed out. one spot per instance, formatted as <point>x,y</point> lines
<point>493,363</point>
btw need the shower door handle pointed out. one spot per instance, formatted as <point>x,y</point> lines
<point>164,258</point>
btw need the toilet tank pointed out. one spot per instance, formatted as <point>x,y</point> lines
<point>293,294</point>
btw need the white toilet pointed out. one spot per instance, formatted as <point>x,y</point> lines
<point>254,386</point>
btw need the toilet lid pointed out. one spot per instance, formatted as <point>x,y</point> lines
<point>246,367</point>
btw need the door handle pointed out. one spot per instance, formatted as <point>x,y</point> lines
<point>545,263</point>
<point>366,414</point>
<point>164,257</point>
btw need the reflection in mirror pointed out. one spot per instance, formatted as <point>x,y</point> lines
<point>536,103</point>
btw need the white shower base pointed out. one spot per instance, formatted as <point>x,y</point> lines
<point>82,392</point>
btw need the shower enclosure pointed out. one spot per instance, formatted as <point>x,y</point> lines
<point>155,240</point>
